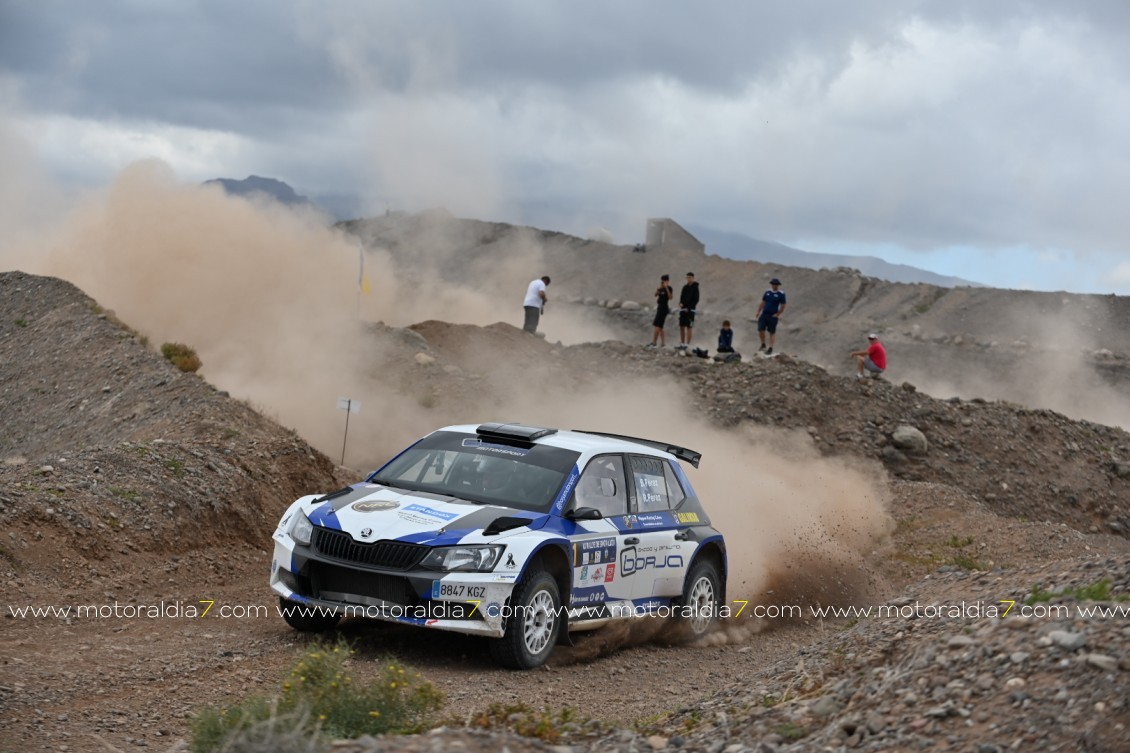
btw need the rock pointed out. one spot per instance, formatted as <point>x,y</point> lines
<point>630,306</point>
<point>1103,661</point>
<point>424,359</point>
<point>825,705</point>
<point>1067,640</point>
<point>908,438</point>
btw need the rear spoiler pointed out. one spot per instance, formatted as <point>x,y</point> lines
<point>682,453</point>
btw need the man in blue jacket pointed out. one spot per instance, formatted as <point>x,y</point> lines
<point>769,312</point>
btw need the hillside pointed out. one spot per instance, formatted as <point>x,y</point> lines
<point>124,481</point>
<point>1067,352</point>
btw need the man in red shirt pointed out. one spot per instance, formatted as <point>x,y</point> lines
<point>873,361</point>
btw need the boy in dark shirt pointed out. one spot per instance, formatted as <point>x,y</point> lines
<point>726,338</point>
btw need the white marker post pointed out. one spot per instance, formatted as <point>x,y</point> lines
<point>349,405</point>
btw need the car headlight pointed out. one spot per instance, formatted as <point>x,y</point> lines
<point>301,529</point>
<point>474,559</point>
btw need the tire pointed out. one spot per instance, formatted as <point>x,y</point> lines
<point>307,623</point>
<point>533,625</point>
<point>702,591</point>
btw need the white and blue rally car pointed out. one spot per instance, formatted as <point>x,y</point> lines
<point>521,534</point>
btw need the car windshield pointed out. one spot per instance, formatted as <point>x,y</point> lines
<point>522,476</point>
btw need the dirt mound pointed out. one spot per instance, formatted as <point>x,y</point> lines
<point>109,449</point>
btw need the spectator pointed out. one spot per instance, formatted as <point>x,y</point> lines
<point>726,338</point>
<point>688,302</point>
<point>769,312</point>
<point>535,304</point>
<point>663,295</point>
<point>873,361</point>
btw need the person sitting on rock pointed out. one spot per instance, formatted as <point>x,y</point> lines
<point>873,361</point>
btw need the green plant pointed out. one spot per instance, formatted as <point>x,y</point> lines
<point>21,322</point>
<point>176,466</point>
<point>544,724</point>
<point>320,697</point>
<point>791,731</point>
<point>128,494</point>
<point>957,543</point>
<point>1099,591</point>
<point>965,562</point>
<point>181,356</point>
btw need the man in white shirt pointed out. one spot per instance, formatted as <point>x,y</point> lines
<point>535,304</point>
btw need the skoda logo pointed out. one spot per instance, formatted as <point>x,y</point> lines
<point>366,532</point>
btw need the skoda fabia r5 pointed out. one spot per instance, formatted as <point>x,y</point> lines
<point>521,534</point>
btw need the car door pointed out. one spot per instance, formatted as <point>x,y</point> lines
<point>596,576</point>
<point>656,557</point>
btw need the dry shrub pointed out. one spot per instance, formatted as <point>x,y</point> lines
<point>181,356</point>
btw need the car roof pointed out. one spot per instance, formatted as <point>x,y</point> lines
<point>585,442</point>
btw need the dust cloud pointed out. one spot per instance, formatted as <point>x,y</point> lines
<point>271,299</point>
<point>1051,363</point>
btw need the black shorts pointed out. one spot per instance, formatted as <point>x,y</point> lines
<point>686,318</point>
<point>767,323</point>
<point>660,319</point>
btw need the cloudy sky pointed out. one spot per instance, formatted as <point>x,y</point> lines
<point>988,140</point>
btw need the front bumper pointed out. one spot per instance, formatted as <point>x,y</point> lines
<point>472,603</point>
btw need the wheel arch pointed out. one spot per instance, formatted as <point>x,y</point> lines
<point>553,557</point>
<point>714,550</point>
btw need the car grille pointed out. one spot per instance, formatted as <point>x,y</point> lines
<point>394,589</point>
<point>394,555</point>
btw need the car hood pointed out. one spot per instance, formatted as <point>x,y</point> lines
<point>371,512</point>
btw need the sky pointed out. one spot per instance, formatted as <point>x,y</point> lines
<point>984,140</point>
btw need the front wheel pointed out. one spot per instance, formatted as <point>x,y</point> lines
<point>306,617</point>
<point>533,624</point>
<point>700,600</point>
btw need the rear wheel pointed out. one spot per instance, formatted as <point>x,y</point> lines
<point>533,624</point>
<point>700,600</point>
<point>306,617</point>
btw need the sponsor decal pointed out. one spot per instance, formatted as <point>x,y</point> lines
<point>510,561</point>
<point>632,561</point>
<point>559,503</point>
<point>596,595</point>
<point>440,514</point>
<point>594,552</point>
<point>374,506</point>
<point>499,449</point>
<point>654,520</point>
<point>631,521</point>
<point>687,517</point>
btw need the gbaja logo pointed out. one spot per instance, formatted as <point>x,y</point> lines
<point>631,562</point>
<point>374,506</point>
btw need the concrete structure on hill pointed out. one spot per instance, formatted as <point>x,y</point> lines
<point>664,234</point>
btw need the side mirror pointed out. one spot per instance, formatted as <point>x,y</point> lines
<point>584,513</point>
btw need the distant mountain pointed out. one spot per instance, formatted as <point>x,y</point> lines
<point>253,184</point>
<point>744,248</point>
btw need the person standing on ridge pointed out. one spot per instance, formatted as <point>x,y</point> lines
<point>663,296</point>
<point>688,302</point>
<point>535,304</point>
<point>769,312</point>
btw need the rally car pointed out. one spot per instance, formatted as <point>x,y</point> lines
<point>521,534</point>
